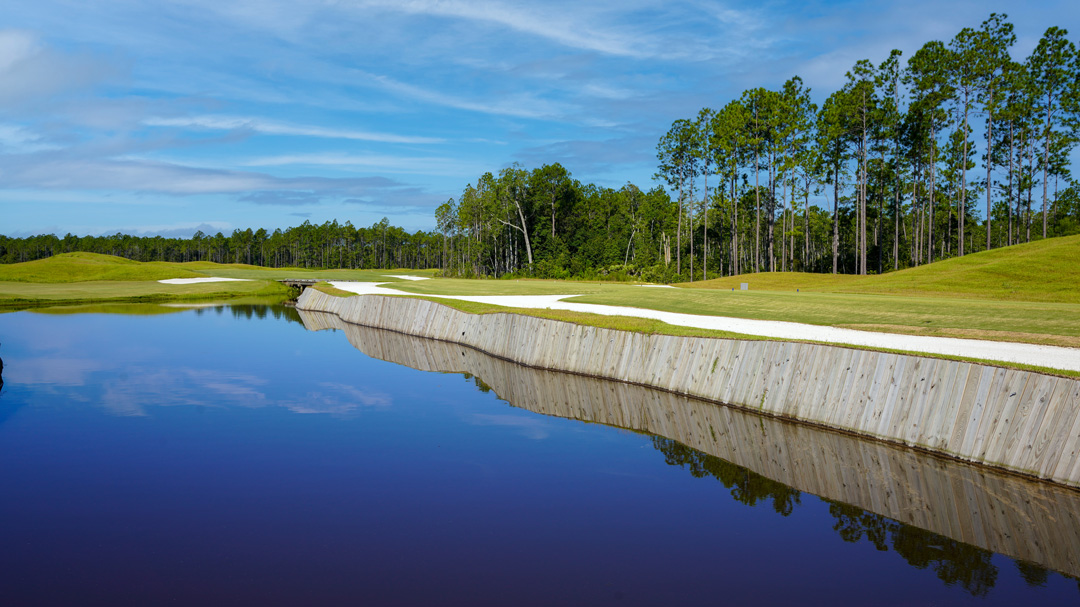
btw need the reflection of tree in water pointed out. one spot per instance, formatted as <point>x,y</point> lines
<point>955,563</point>
<point>260,311</point>
<point>479,383</point>
<point>746,487</point>
<point>1032,573</point>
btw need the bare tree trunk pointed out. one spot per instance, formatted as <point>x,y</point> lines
<point>896,216</point>
<point>1046,159</point>
<point>734,227</point>
<point>1009,201</point>
<point>690,226</point>
<point>962,203</point>
<point>862,202</point>
<point>705,229</point>
<point>772,212</point>
<point>916,216</point>
<point>835,218</point>
<point>757,219</point>
<point>783,229</point>
<point>806,227</point>
<point>1031,185</point>
<point>989,131</point>
<point>678,234</point>
<point>933,184</point>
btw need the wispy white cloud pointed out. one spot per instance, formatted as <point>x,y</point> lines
<point>269,127</point>
<point>20,140</point>
<point>52,371</point>
<point>69,172</point>
<point>558,25</point>
<point>30,70</point>
<point>520,105</point>
<point>339,399</point>
<point>532,427</point>
<point>423,165</point>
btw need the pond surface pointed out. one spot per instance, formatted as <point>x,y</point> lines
<point>233,455</point>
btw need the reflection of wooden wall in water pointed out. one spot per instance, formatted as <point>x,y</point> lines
<point>1033,521</point>
<point>1022,421</point>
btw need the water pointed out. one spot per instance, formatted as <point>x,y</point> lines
<point>229,455</point>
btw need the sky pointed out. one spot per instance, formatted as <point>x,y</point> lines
<point>167,117</point>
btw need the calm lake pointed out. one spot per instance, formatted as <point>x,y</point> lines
<point>256,455</point>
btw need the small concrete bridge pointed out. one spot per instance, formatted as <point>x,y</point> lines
<point>300,283</point>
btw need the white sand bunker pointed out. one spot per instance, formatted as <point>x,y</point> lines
<point>404,277</point>
<point>1055,357</point>
<point>658,286</point>
<point>191,281</point>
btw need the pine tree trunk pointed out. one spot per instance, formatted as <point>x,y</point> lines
<point>989,131</point>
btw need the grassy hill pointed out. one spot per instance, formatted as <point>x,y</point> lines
<point>91,278</point>
<point>87,267</point>
<point>1045,271</point>
<point>90,267</point>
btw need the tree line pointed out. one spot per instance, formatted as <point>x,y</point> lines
<point>959,149</point>
<point>329,245</point>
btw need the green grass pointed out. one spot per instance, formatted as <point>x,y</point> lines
<point>21,295</point>
<point>83,267</point>
<point>1026,293</point>
<point>656,327</point>
<point>469,286</point>
<point>1031,322</point>
<point>622,323</point>
<point>150,309</point>
<point>1024,321</point>
<point>1045,271</point>
<point>90,278</point>
<point>260,273</point>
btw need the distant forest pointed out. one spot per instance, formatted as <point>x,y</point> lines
<point>330,245</point>
<point>958,150</point>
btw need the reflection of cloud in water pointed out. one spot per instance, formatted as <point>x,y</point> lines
<point>51,371</point>
<point>171,387</point>
<point>531,427</point>
<point>233,385</point>
<point>131,390</point>
<point>338,399</point>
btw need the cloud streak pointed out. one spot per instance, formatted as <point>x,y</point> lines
<point>269,127</point>
<point>65,172</point>
<point>30,71</point>
<point>423,165</point>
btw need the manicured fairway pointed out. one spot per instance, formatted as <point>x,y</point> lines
<point>1026,293</point>
<point>78,278</point>
<point>1023,321</point>
<point>23,294</point>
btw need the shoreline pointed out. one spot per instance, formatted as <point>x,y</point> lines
<point>1021,421</point>
<point>972,503</point>
<point>1051,357</point>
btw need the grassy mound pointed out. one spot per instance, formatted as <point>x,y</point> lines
<point>86,267</point>
<point>1044,271</point>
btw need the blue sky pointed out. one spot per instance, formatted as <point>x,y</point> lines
<point>170,116</point>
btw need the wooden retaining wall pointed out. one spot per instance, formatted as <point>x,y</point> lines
<point>1021,421</point>
<point>1030,520</point>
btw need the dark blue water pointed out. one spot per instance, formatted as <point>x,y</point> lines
<point>228,456</point>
